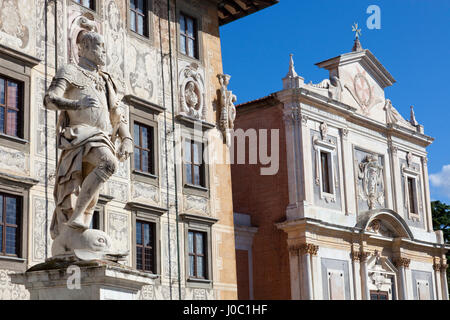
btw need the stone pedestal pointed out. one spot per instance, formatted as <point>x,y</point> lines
<point>71,279</point>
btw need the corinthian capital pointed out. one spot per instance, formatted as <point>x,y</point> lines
<point>402,262</point>
<point>309,248</point>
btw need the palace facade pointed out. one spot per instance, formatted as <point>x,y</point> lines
<point>168,206</point>
<point>347,215</point>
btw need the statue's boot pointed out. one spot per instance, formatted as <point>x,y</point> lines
<point>81,217</point>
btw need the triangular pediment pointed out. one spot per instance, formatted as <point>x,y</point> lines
<point>362,80</point>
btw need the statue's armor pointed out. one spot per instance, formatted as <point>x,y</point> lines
<point>81,84</point>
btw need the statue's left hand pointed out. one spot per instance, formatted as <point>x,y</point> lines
<point>125,150</point>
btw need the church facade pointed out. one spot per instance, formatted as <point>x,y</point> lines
<point>168,206</point>
<point>347,216</point>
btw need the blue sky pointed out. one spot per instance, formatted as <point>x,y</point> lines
<point>413,44</point>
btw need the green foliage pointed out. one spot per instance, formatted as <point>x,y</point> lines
<point>441,221</point>
<point>441,218</point>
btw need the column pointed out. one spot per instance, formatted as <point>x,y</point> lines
<point>317,277</point>
<point>402,264</point>
<point>294,272</point>
<point>427,205</point>
<point>444,281</point>
<point>356,275</point>
<point>347,171</point>
<point>364,275</point>
<point>307,289</point>
<point>437,278</point>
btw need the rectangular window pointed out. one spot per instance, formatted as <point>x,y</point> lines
<point>412,195</point>
<point>95,222</point>
<point>87,3</point>
<point>145,246</point>
<point>194,164</point>
<point>11,107</point>
<point>197,254</point>
<point>188,36</point>
<point>325,164</point>
<point>143,148</point>
<point>139,17</point>
<point>10,208</point>
<point>379,295</point>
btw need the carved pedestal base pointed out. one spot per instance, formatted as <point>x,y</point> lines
<point>68,278</point>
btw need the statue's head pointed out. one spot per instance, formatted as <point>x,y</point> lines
<point>92,47</point>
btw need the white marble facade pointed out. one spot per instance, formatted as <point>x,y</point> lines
<point>137,65</point>
<point>357,236</point>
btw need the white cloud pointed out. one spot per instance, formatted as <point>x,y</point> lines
<point>441,180</point>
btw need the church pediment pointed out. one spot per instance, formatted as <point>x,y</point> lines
<point>363,80</point>
<point>384,222</point>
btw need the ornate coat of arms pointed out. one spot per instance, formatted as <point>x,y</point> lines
<point>371,188</point>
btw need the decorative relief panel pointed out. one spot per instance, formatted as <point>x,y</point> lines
<point>16,19</point>
<point>170,262</point>
<point>38,234</point>
<point>40,35</point>
<point>40,122</point>
<point>199,294</point>
<point>141,70</point>
<point>10,291</point>
<point>192,92</point>
<point>115,44</point>
<point>118,190</point>
<point>144,191</point>
<point>118,229</point>
<point>13,160</point>
<point>196,204</point>
<point>370,185</point>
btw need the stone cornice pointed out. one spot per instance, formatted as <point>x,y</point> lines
<point>26,59</point>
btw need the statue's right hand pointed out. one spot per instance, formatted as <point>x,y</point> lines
<point>87,102</point>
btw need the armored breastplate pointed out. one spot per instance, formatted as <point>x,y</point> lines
<point>88,84</point>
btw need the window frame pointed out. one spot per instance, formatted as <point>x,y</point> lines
<point>186,10</point>
<point>191,189</point>
<point>150,149</point>
<point>18,226</point>
<point>184,33</point>
<point>409,172</point>
<point>17,66</point>
<point>146,113</point>
<point>194,273</point>
<point>321,146</point>
<point>192,164</point>
<point>19,109</point>
<point>143,246</point>
<point>147,23</point>
<point>19,189</point>
<point>93,2</point>
<point>198,224</point>
<point>149,214</point>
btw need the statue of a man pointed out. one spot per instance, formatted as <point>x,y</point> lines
<point>88,126</point>
<point>228,111</point>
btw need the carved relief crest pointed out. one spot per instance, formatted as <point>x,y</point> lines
<point>371,188</point>
<point>192,93</point>
<point>12,28</point>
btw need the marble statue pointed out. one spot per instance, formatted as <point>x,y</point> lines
<point>89,124</point>
<point>228,110</point>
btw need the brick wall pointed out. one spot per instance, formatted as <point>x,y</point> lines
<point>265,199</point>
